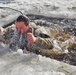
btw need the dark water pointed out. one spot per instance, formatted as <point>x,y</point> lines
<point>65,24</point>
<point>68,25</point>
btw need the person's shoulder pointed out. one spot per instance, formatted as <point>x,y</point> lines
<point>1,30</point>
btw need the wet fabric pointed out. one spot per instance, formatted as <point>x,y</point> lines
<point>44,43</point>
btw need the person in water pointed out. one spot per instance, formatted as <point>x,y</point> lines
<point>23,36</point>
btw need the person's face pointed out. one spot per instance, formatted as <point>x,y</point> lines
<point>21,27</point>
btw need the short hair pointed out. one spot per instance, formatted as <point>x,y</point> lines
<point>23,19</point>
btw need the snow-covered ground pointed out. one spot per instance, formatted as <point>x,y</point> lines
<point>55,8</point>
<point>31,64</point>
<point>17,63</point>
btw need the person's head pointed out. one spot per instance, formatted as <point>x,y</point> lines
<point>24,19</point>
<point>22,24</point>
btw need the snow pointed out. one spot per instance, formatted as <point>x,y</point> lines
<point>32,64</point>
<point>17,63</point>
<point>55,8</point>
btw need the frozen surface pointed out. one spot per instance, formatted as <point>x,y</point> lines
<point>55,8</point>
<point>31,64</point>
<point>14,63</point>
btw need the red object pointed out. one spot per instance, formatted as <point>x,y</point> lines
<point>31,40</point>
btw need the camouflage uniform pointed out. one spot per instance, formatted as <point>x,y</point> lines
<point>20,41</point>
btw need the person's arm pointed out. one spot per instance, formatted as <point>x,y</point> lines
<point>1,34</point>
